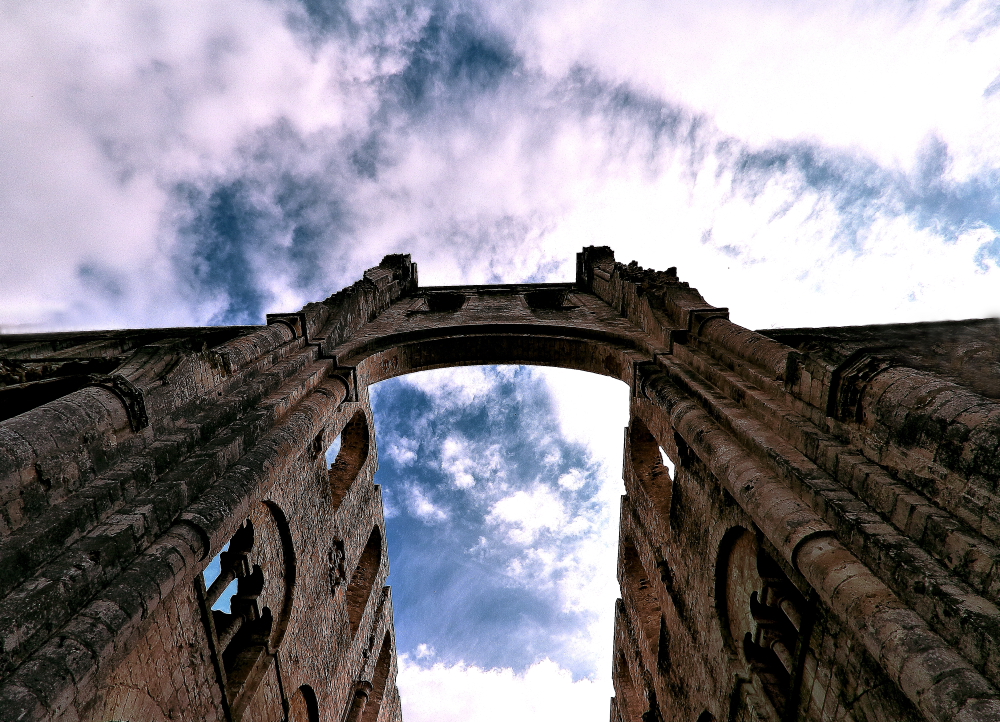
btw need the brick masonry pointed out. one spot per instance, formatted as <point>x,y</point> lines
<point>810,528</point>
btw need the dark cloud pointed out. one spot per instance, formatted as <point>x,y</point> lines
<point>287,204</point>
<point>228,229</point>
<point>323,17</point>
<point>456,55</point>
<point>272,221</point>
<point>862,191</point>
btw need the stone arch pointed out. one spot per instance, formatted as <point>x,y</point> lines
<point>283,608</point>
<point>303,706</point>
<point>541,325</point>
<point>355,445</point>
<point>736,580</point>
<point>261,560</point>
<point>647,465</point>
<point>636,584</point>
<point>359,589</point>
<point>379,679</point>
<point>629,705</point>
<point>761,613</point>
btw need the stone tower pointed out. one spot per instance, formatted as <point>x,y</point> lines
<point>809,532</point>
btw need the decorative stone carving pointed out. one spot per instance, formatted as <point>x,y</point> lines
<point>337,572</point>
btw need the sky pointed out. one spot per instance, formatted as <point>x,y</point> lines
<point>803,163</point>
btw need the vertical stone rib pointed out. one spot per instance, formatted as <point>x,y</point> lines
<point>926,669</point>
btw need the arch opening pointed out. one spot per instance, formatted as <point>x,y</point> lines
<point>646,457</point>
<point>304,706</point>
<point>362,583</point>
<point>479,466</point>
<point>350,451</point>
<point>636,586</point>
<point>379,678</point>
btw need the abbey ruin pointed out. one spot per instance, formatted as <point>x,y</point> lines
<point>825,546</point>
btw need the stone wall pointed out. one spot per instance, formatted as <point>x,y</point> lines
<point>164,446</point>
<point>809,532</point>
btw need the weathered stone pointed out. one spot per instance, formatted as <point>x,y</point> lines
<point>826,547</point>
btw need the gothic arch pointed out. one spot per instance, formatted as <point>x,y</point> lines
<point>355,446</point>
<point>359,589</point>
<point>553,325</point>
<point>648,467</point>
<point>303,706</point>
<point>642,598</point>
<point>379,679</point>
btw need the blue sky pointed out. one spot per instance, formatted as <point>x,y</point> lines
<point>501,487</point>
<point>804,163</point>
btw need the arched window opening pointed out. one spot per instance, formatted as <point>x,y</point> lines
<point>242,627</point>
<point>222,574</point>
<point>352,454</point>
<point>359,589</point>
<point>379,679</point>
<point>247,603</point>
<point>646,458</point>
<point>245,642</point>
<point>667,463</point>
<point>333,451</point>
<point>628,700</point>
<point>303,706</point>
<point>777,610</point>
<point>641,598</point>
<point>762,612</point>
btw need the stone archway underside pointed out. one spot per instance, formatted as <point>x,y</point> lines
<point>857,468</point>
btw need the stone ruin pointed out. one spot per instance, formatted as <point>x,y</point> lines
<point>810,529</point>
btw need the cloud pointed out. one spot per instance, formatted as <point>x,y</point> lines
<point>874,76</point>
<point>458,462</point>
<point>523,566</point>
<point>421,506</point>
<point>472,694</point>
<point>527,513</point>
<point>403,451</point>
<point>172,166</point>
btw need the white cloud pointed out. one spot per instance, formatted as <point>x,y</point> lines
<point>403,450</point>
<point>526,513</point>
<point>461,462</point>
<point>875,75</point>
<point>423,507</point>
<point>466,693</point>
<point>572,480</point>
<point>459,386</point>
<point>592,410</point>
<point>425,651</point>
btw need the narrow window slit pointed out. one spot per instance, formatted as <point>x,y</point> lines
<point>667,463</point>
